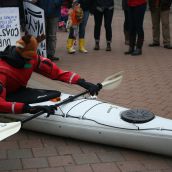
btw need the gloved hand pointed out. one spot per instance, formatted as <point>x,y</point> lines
<point>92,88</point>
<point>50,110</point>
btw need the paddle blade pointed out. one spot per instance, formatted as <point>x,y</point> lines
<point>112,81</point>
<point>8,129</point>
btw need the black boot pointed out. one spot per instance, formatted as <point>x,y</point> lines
<point>108,48</point>
<point>137,52</point>
<point>97,47</point>
<point>130,51</point>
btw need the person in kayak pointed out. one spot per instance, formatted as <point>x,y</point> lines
<point>16,66</point>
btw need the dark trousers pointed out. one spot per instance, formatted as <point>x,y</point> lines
<point>98,18</point>
<point>136,17</point>
<point>126,21</point>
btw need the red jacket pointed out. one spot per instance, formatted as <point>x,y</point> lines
<point>133,3</point>
<point>12,79</point>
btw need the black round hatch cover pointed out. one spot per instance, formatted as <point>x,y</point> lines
<point>137,116</point>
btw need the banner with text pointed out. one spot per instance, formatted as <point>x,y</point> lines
<point>9,26</point>
<point>35,24</point>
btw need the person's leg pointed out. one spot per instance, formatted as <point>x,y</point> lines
<point>132,30</point>
<point>155,15</point>
<point>166,28</point>
<point>98,17</point>
<point>82,27</point>
<point>126,27</point>
<point>139,18</point>
<point>108,15</point>
<point>51,30</point>
<point>70,41</point>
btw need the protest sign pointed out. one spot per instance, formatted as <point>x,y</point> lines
<point>9,26</point>
<point>35,24</point>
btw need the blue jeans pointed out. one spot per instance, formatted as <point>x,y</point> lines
<point>82,27</point>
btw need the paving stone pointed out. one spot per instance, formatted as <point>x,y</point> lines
<point>155,164</point>
<point>85,158</point>
<point>110,156</point>
<point>53,141</point>
<point>25,170</point>
<point>19,153</point>
<point>58,169</point>
<point>105,167</point>
<point>169,170</point>
<point>69,149</point>
<point>3,154</point>
<point>5,145</point>
<point>44,152</point>
<point>56,161</point>
<point>92,148</point>
<point>131,166</point>
<point>14,164</point>
<point>78,168</point>
<point>131,155</point>
<point>34,163</point>
<point>30,144</point>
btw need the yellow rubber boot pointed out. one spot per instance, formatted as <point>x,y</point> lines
<point>70,48</point>
<point>82,46</point>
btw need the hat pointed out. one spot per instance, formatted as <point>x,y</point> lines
<point>28,44</point>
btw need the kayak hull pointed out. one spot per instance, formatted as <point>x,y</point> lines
<point>101,122</point>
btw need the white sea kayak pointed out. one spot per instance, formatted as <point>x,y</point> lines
<point>101,122</point>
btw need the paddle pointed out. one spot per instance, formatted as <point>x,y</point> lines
<point>8,129</point>
<point>110,82</point>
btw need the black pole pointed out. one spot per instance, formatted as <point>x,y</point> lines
<point>69,99</point>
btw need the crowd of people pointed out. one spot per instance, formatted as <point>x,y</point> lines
<point>134,11</point>
<point>58,12</point>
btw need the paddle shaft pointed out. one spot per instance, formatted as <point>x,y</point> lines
<point>69,99</point>
<point>111,80</point>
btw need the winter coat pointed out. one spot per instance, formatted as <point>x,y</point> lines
<point>163,4</point>
<point>51,7</point>
<point>133,3</point>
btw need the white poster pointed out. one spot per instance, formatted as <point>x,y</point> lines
<point>35,24</point>
<point>9,26</point>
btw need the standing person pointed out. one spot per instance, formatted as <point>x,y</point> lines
<point>85,5</point>
<point>103,8</point>
<point>52,13</point>
<point>136,11</point>
<point>126,21</point>
<point>160,10</point>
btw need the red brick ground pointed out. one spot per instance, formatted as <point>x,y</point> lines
<point>147,84</point>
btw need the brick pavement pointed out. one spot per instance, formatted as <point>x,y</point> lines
<point>147,84</point>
